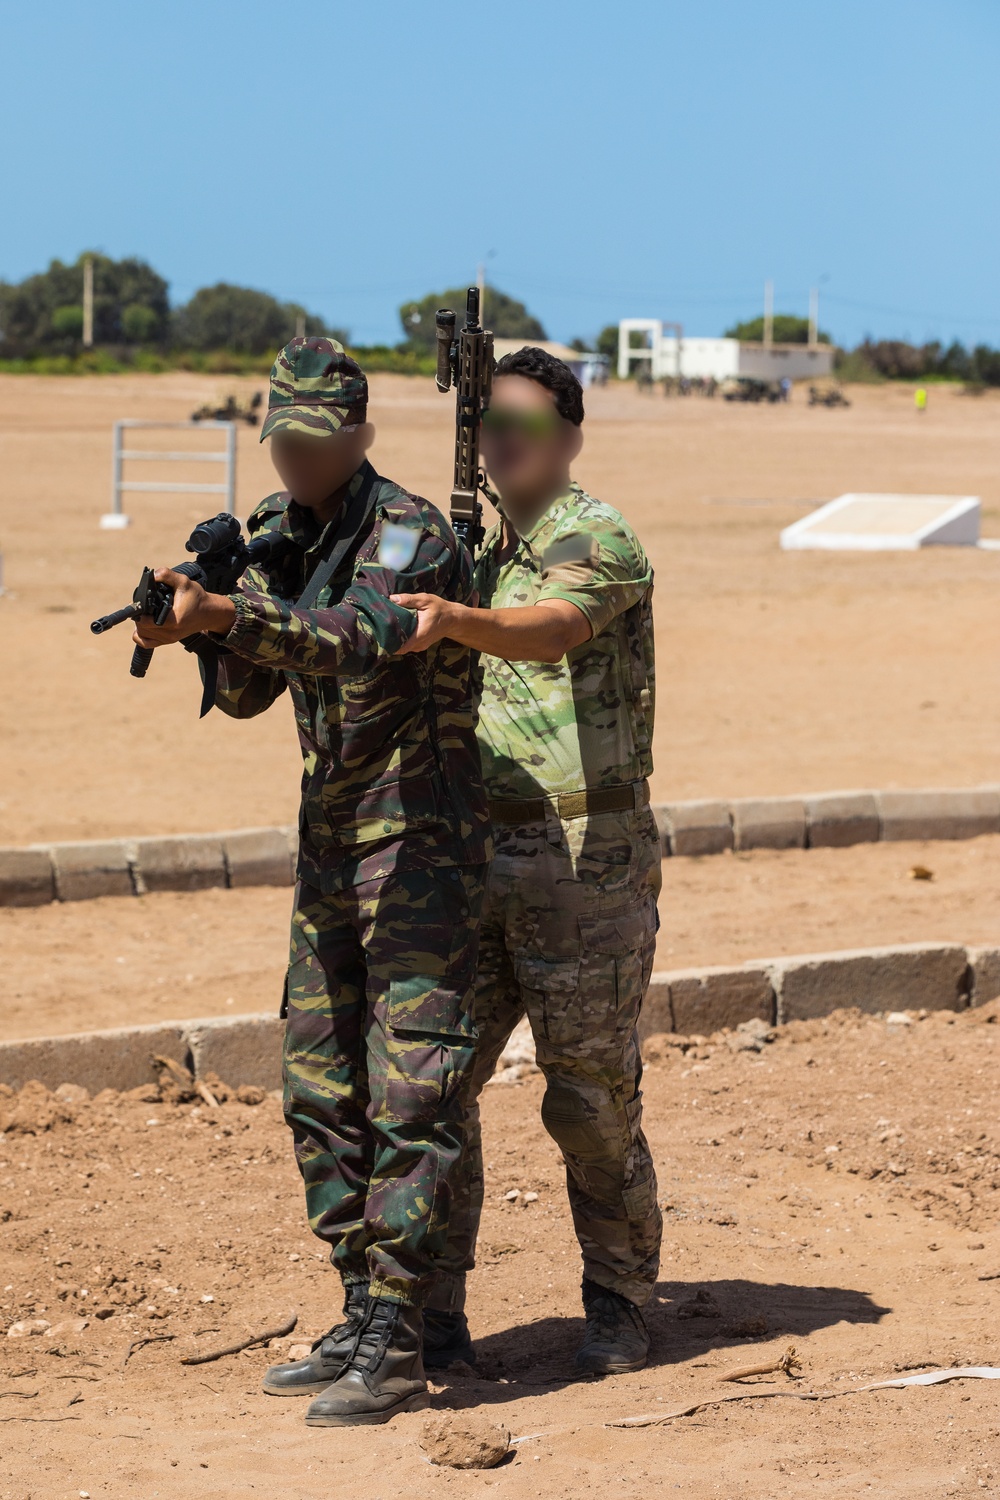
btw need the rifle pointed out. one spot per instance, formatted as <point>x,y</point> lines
<point>466,362</point>
<point>222,559</point>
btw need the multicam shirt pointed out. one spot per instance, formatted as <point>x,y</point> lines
<point>391,777</point>
<point>585,721</point>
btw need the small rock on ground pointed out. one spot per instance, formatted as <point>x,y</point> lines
<point>464,1440</point>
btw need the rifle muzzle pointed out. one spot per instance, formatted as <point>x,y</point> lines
<point>107,622</point>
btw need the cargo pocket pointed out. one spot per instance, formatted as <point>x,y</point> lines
<point>429,1040</point>
<point>550,989</point>
<point>616,962</point>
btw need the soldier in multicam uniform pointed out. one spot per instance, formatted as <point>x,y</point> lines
<point>394,835</point>
<point>565,728</point>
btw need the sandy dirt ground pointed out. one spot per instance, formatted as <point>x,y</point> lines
<point>122,961</point>
<point>778,673</point>
<point>835,1192</point>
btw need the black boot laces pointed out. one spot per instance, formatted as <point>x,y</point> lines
<point>606,1313</point>
<point>374,1334</point>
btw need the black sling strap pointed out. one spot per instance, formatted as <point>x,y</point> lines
<point>355,516</point>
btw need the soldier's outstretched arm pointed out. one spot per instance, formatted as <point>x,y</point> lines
<point>352,635</point>
<point>534,632</point>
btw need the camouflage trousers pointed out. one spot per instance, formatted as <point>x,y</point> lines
<point>378,1039</point>
<point>568,936</point>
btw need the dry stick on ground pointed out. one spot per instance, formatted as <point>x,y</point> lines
<point>247,1343</point>
<point>787,1364</point>
<point>137,1344</point>
<point>24,1395</point>
<point>932,1377</point>
<point>655,1418</point>
<point>41,1419</point>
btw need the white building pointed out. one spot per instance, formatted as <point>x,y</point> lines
<point>670,353</point>
<point>589,367</point>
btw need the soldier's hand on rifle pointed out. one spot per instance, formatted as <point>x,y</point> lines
<point>193,611</point>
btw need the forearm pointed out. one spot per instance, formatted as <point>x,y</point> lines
<point>314,642</point>
<point>537,632</point>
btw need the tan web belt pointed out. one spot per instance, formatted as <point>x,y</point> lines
<point>572,804</point>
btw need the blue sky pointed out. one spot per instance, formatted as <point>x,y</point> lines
<point>645,158</point>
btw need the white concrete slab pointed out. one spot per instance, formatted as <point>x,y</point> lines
<point>881,523</point>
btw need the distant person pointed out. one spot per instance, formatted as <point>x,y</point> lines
<point>786,388</point>
<point>393,842</point>
<point>920,400</point>
<point>566,733</point>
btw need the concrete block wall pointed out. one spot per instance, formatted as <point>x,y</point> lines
<point>266,856</point>
<point>247,1049</point>
<point>826,820</point>
<point>134,867</point>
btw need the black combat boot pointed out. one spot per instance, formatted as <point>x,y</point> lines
<point>446,1339</point>
<point>384,1375</point>
<point>616,1339</point>
<point>306,1377</point>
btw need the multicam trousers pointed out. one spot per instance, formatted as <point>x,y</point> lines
<point>568,936</point>
<point>378,1040</point>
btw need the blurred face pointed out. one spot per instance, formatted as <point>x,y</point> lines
<point>314,467</point>
<point>526,445</point>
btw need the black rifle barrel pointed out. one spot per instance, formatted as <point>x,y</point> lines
<point>473,377</point>
<point>106,622</point>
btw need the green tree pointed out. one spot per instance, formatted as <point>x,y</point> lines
<point>67,322</point>
<point>238,318</point>
<point>44,312</point>
<point>787,330</point>
<point>508,318</point>
<point>607,342</point>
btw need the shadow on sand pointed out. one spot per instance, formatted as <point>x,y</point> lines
<point>531,1357</point>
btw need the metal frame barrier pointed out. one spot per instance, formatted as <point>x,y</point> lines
<point>116,520</point>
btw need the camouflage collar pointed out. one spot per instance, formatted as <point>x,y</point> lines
<point>300,527</point>
<point>548,518</point>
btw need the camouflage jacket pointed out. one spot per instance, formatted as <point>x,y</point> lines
<point>391,777</point>
<point>586,721</point>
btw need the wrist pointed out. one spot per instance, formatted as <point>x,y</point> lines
<point>220,614</point>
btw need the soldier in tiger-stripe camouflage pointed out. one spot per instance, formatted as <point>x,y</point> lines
<point>394,835</point>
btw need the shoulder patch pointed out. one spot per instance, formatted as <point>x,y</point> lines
<point>397,546</point>
<point>577,548</point>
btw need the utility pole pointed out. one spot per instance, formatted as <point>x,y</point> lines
<point>768,314</point>
<point>813,317</point>
<point>300,326</point>
<point>88,302</point>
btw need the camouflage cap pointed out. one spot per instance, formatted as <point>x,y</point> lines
<point>315,387</point>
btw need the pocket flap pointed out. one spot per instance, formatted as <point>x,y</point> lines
<point>380,812</point>
<point>625,932</point>
<point>423,1009</point>
<point>550,976</point>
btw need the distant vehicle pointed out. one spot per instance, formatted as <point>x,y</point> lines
<point>827,395</point>
<point>749,388</point>
<point>231,411</point>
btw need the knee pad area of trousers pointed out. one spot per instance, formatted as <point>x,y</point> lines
<point>588,1137</point>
